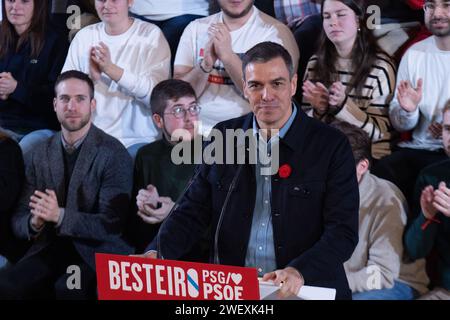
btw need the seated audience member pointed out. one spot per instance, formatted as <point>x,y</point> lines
<point>172,16</point>
<point>422,91</point>
<point>209,57</point>
<point>378,270</point>
<point>11,179</point>
<point>31,58</point>
<point>73,205</point>
<point>430,229</point>
<point>126,58</point>
<point>157,178</point>
<point>351,79</point>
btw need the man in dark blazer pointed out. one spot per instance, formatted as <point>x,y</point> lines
<point>297,226</point>
<point>77,191</point>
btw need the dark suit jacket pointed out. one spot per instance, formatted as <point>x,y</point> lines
<point>97,199</point>
<point>314,210</point>
<point>11,180</point>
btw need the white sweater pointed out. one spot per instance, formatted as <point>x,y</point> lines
<point>123,107</point>
<point>423,60</point>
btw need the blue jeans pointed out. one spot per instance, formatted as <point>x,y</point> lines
<point>29,141</point>
<point>133,149</point>
<point>400,291</point>
<point>3,261</point>
<point>172,29</point>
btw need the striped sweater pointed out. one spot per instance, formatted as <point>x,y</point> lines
<point>369,110</point>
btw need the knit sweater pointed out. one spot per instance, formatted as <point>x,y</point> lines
<point>382,217</point>
<point>369,110</point>
<point>418,242</point>
<point>123,107</point>
<point>153,165</point>
<point>423,60</point>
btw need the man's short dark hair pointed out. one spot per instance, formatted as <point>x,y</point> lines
<point>358,138</point>
<point>74,74</point>
<point>266,51</point>
<point>171,89</point>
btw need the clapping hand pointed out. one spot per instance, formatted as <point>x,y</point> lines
<point>317,95</point>
<point>408,96</point>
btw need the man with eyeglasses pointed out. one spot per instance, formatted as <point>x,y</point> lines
<point>422,91</point>
<point>158,180</point>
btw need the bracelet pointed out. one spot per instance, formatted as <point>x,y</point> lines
<point>203,69</point>
<point>428,222</point>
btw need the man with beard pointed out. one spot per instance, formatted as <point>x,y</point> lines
<point>209,56</point>
<point>422,91</point>
<point>77,190</point>
<point>430,229</point>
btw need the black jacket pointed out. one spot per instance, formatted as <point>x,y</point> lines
<point>30,106</point>
<point>11,181</point>
<point>314,210</point>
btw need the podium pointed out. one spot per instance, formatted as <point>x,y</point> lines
<point>137,278</point>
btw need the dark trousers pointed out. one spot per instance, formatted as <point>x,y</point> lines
<point>44,275</point>
<point>307,37</point>
<point>172,29</point>
<point>403,166</point>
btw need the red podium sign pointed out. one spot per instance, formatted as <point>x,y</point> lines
<point>134,278</point>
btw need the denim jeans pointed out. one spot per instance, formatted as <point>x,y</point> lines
<point>400,291</point>
<point>133,149</point>
<point>3,261</point>
<point>28,141</point>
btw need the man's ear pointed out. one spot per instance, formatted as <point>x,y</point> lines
<point>159,121</point>
<point>54,104</point>
<point>294,84</point>
<point>361,168</point>
<point>244,88</point>
<point>93,104</point>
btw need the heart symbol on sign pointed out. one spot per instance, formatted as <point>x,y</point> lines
<point>236,278</point>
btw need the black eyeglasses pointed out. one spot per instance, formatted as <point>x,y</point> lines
<point>179,112</point>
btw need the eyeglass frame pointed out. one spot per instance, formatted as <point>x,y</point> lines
<point>185,111</point>
<point>436,6</point>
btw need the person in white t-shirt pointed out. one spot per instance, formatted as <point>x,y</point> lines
<point>172,16</point>
<point>209,51</point>
<point>126,58</point>
<point>422,91</point>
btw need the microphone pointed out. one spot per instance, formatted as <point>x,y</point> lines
<point>222,211</point>
<point>159,254</point>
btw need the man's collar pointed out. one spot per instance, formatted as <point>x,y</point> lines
<point>75,145</point>
<point>282,132</point>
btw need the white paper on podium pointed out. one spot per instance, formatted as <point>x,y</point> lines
<point>269,291</point>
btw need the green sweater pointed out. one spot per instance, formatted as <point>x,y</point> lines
<point>153,165</point>
<point>418,242</point>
